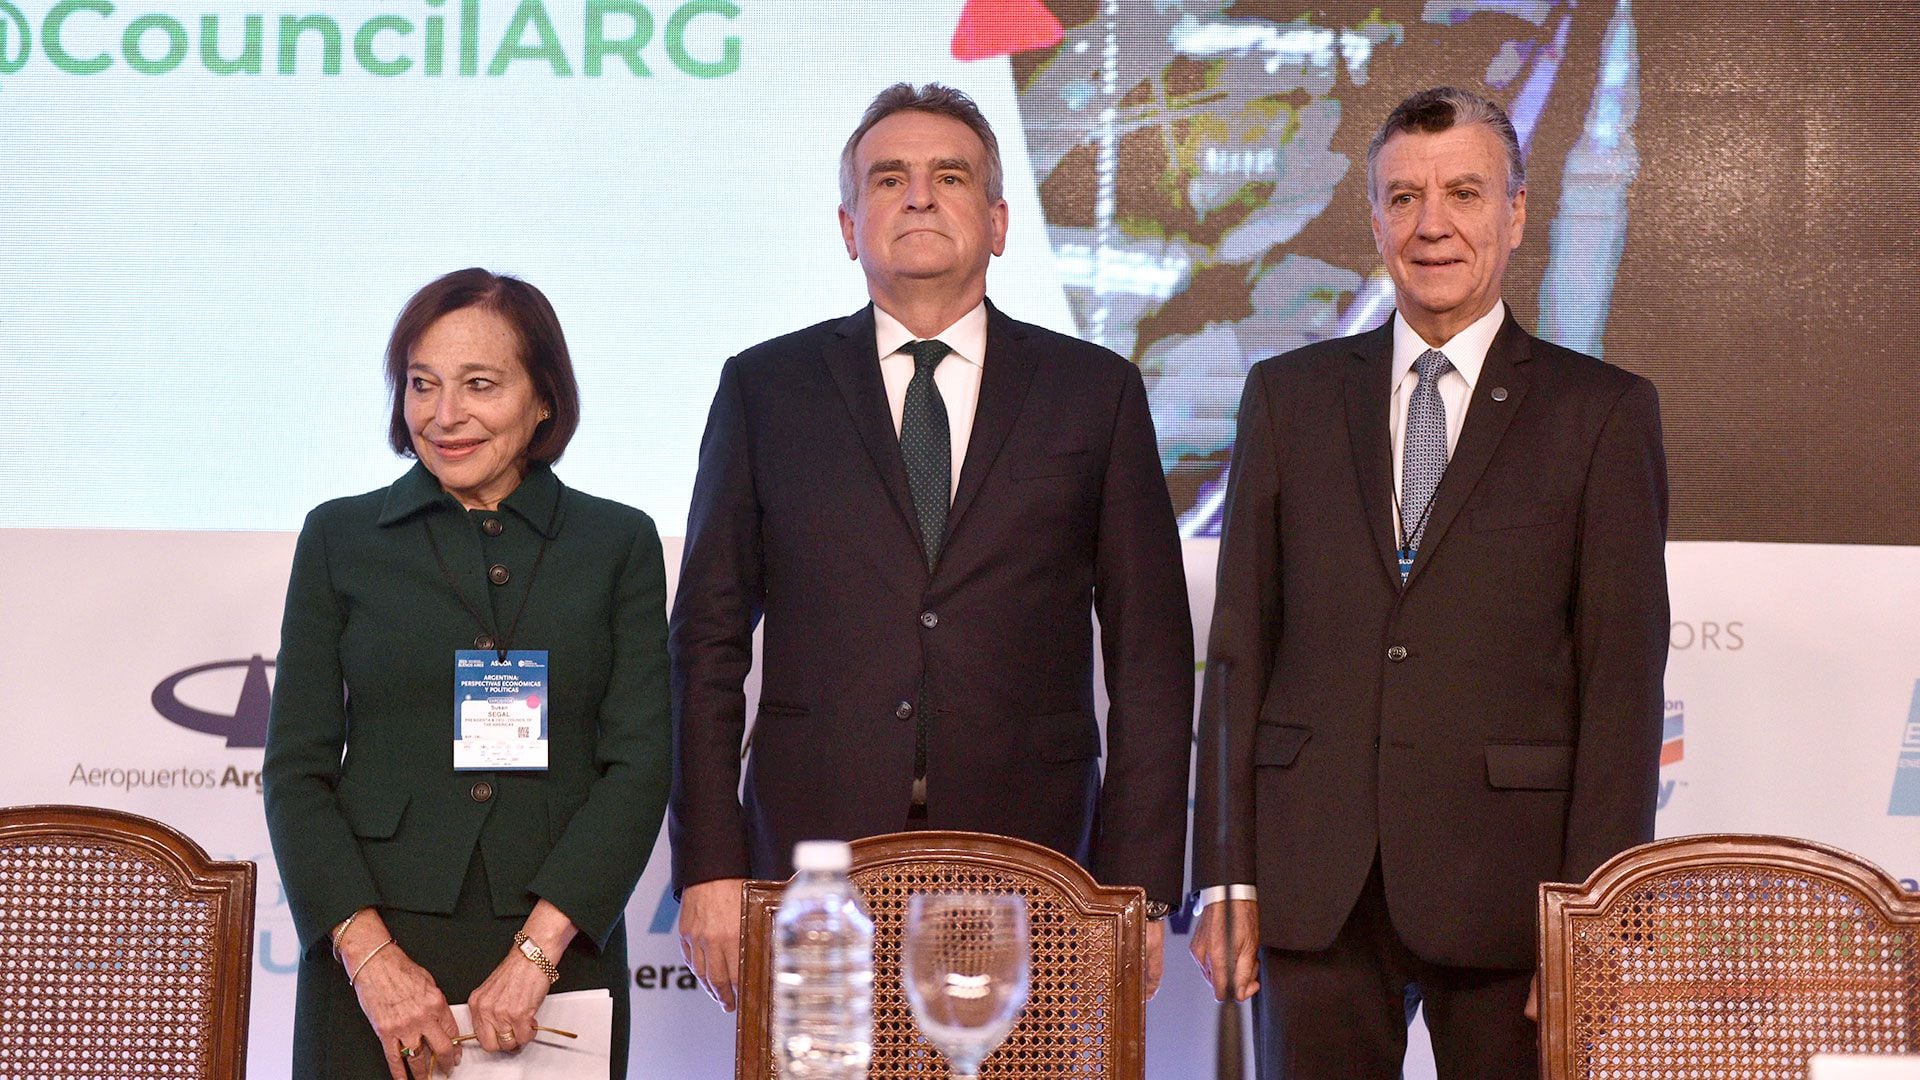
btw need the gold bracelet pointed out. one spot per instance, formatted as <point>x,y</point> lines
<point>340,931</point>
<point>362,966</point>
<point>534,953</point>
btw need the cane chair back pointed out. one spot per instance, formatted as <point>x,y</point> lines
<point>1709,957</point>
<point>1084,1017</point>
<point>124,950</point>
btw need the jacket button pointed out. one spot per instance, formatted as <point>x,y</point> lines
<point>481,791</point>
<point>1397,653</point>
<point>483,641</point>
<point>903,710</point>
<point>492,527</point>
<point>929,620</point>
<point>497,573</point>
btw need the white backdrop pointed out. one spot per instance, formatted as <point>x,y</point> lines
<point>199,270</point>
<point>1793,687</point>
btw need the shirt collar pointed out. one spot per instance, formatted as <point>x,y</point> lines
<point>967,337</point>
<point>1466,350</point>
<point>536,500</point>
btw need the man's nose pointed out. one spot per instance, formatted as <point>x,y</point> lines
<point>1432,220</point>
<point>920,191</point>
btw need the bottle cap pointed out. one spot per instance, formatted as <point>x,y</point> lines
<point>822,855</point>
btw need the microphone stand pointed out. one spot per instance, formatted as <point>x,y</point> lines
<point>1229,1052</point>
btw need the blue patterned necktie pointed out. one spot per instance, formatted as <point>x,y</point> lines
<point>1424,454</point>
<point>927,446</point>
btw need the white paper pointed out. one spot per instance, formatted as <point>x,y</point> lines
<point>586,1013</point>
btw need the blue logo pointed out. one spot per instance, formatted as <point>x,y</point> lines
<point>246,726</point>
<point>1906,774</point>
<point>1673,746</point>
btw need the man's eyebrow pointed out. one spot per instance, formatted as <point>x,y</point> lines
<point>1472,179</point>
<point>953,165</point>
<point>890,165</point>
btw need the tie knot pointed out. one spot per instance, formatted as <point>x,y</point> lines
<point>926,354</point>
<point>1432,364</point>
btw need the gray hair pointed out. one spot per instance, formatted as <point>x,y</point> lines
<point>931,98</point>
<point>1443,107</point>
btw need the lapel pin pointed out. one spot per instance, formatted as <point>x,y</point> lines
<point>1499,393</point>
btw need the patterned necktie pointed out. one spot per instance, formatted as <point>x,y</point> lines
<point>1424,455</point>
<point>927,446</point>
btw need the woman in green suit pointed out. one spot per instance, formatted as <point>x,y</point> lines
<point>435,852</point>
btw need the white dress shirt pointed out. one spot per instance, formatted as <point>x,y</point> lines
<point>957,377</point>
<point>1467,351</point>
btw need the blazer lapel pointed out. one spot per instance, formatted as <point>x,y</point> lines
<point>856,370</point>
<point>1487,422</point>
<point>1369,395</point>
<point>1006,374</point>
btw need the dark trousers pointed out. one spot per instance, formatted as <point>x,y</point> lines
<point>1342,1013</point>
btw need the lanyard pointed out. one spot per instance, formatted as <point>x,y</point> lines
<point>501,642</point>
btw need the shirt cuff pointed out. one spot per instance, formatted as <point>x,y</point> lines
<point>1214,893</point>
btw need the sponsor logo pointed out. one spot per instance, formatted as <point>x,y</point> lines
<point>245,726</point>
<point>1905,801</point>
<point>1707,636</point>
<point>1673,746</point>
<point>419,38</point>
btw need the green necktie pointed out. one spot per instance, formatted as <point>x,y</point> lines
<point>927,446</point>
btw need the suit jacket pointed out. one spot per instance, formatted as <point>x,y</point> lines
<point>369,613</point>
<point>801,515</point>
<point>1490,725</point>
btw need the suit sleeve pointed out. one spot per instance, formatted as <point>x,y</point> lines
<point>716,606</point>
<point>319,860</point>
<point>1620,636</point>
<point>591,872</point>
<point>1246,626</point>
<point>1146,634</point>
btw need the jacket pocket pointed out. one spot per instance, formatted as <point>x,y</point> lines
<point>1497,518</point>
<point>1278,744</point>
<point>1066,737</point>
<point>1058,463</point>
<point>1530,766</point>
<point>372,812</point>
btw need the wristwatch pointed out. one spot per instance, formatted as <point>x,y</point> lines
<point>533,953</point>
<point>1157,910</point>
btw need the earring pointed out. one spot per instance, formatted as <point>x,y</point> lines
<point>546,414</point>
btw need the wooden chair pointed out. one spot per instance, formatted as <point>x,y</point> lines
<point>124,950</point>
<point>1726,956</point>
<point>1084,1017</point>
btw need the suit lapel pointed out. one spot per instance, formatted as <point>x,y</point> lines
<point>856,370</point>
<point>1487,422</point>
<point>1006,374</point>
<point>1369,395</point>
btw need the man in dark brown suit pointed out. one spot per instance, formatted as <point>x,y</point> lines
<point>1442,608</point>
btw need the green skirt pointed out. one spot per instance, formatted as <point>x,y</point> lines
<point>332,1039</point>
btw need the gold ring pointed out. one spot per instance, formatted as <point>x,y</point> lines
<point>504,1036</point>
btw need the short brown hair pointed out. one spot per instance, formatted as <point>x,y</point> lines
<point>543,351</point>
<point>932,98</point>
<point>1439,109</point>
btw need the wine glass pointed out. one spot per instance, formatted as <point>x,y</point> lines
<point>965,966</point>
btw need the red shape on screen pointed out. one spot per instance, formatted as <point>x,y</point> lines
<point>990,28</point>
<point>1671,751</point>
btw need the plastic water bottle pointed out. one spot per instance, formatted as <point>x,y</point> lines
<point>822,969</point>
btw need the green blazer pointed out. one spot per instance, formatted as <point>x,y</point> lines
<point>363,805</point>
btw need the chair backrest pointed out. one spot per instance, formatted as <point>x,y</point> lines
<point>124,950</point>
<point>1726,956</point>
<point>1085,1015</point>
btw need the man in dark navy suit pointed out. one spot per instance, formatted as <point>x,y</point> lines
<point>928,503</point>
